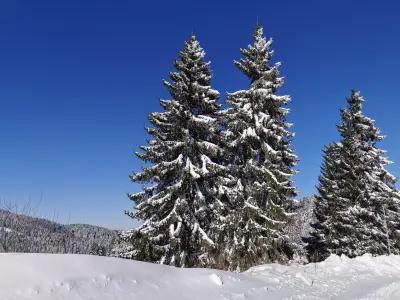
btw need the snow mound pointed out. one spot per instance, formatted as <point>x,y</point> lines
<point>57,276</point>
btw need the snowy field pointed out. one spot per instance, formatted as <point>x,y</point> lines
<point>73,277</point>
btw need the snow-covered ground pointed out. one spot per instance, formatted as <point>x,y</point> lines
<point>53,276</point>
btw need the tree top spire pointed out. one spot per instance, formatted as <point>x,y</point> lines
<point>355,101</point>
<point>258,32</point>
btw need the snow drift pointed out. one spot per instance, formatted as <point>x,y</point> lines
<point>55,276</point>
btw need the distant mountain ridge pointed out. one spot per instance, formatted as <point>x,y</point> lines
<point>21,233</point>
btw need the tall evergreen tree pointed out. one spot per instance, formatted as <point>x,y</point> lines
<point>358,206</point>
<point>325,204</point>
<point>261,160</point>
<point>184,181</point>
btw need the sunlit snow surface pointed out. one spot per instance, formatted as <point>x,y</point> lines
<point>53,276</point>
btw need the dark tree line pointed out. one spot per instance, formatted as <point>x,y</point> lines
<point>21,233</point>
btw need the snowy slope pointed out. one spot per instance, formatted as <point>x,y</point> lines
<point>73,277</point>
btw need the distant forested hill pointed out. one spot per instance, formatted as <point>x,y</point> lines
<point>21,233</point>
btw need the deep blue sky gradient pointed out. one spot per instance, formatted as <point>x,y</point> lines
<point>78,79</point>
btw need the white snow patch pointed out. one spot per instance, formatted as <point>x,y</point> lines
<point>5,229</point>
<point>73,277</point>
<point>216,279</point>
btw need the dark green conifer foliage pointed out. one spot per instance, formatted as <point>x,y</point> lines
<point>261,160</point>
<point>357,207</point>
<point>184,178</point>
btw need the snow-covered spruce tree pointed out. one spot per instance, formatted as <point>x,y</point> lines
<point>183,181</point>
<point>358,206</point>
<point>325,204</point>
<point>261,160</point>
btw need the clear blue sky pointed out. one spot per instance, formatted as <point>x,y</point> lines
<point>78,79</point>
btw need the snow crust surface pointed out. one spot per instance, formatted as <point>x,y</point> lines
<point>57,276</point>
